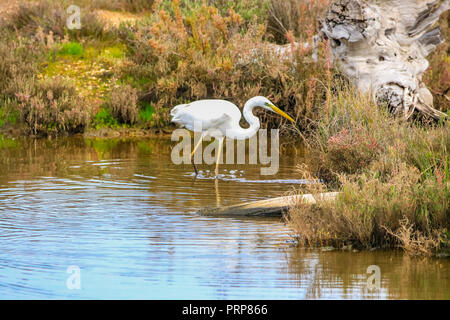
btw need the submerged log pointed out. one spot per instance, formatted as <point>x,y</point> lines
<point>267,208</point>
<point>381,46</point>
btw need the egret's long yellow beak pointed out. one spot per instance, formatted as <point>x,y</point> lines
<point>281,113</point>
<point>285,115</point>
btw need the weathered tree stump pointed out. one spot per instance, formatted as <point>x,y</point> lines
<point>381,46</point>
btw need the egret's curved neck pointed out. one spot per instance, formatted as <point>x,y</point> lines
<point>240,133</point>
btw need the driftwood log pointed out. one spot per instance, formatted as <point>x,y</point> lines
<point>267,208</point>
<point>381,46</point>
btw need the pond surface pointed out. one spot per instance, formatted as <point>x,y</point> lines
<point>125,215</point>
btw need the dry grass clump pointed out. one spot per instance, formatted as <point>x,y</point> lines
<point>19,63</point>
<point>28,17</point>
<point>415,242</point>
<point>52,106</point>
<point>349,136</point>
<point>351,150</point>
<point>437,78</point>
<point>123,104</point>
<point>123,5</point>
<point>369,212</point>
<point>294,16</point>
<point>388,172</point>
<point>20,58</point>
<point>50,16</point>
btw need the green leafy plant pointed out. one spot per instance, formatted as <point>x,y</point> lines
<point>104,118</point>
<point>71,49</point>
<point>146,113</point>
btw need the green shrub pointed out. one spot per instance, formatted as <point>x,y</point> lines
<point>2,118</point>
<point>104,118</point>
<point>146,115</point>
<point>8,112</point>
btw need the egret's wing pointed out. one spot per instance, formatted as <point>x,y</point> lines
<point>220,121</point>
<point>208,114</point>
<point>197,124</point>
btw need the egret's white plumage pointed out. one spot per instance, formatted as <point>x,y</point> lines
<point>207,116</point>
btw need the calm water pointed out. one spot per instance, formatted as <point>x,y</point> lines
<point>126,216</point>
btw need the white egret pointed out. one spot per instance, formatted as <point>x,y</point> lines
<point>208,116</point>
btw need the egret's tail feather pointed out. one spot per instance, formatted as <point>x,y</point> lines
<point>176,109</point>
<point>176,121</point>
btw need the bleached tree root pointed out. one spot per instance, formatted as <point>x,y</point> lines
<point>267,208</point>
<point>381,46</point>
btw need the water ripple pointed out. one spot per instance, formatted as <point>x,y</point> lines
<point>128,221</point>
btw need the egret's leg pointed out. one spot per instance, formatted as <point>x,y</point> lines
<point>193,152</point>
<point>216,185</point>
<point>218,157</point>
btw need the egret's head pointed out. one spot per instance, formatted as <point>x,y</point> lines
<point>268,105</point>
<point>271,107</point>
